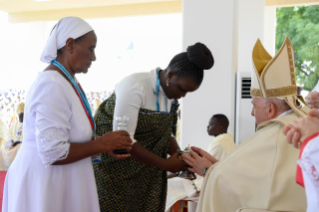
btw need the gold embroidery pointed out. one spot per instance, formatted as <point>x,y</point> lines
<point>255,92</point>
<point>283,91</point>
<point>291,66</point>
<point>292,63</point>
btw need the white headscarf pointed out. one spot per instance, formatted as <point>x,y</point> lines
<point>68,27</point>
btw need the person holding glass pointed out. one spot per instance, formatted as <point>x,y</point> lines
<point>149,101</point>
<point>53,170</point>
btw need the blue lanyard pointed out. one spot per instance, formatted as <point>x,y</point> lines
<point>157,91</point>
<point>82,95</point>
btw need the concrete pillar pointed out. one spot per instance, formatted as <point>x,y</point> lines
<point>230,29</point>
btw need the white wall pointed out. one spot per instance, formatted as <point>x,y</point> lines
<point>250,28</point>
<point>212,23</point>
<point>270,30</point>
<point>156,40</point>
<point>230,29</point>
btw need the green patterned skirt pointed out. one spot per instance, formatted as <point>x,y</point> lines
<point>129,185</point>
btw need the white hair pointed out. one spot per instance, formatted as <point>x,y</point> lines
<point>280,104</point>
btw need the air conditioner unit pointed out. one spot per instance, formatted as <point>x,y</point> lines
<point>245,123</point>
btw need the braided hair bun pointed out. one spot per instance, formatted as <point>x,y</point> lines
<point>200,55</point>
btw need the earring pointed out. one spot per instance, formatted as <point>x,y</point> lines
<point>167,82</point>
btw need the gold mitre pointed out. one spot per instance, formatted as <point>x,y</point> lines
<point>20,108</point>
<point>275,77</point>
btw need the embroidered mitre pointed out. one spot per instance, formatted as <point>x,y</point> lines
<point>275,77</point>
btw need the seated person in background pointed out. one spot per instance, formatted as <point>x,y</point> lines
<point>10,148</point>
<point>2,130</point>
<point>304,134</point>
<point>224,142</point>
<point>259,175</point>
<point>182,189</point>
<point>15,132</point>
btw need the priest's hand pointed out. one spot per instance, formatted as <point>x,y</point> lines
<point>199,161</point>
<point>205,154</point>
<point>300,129</point>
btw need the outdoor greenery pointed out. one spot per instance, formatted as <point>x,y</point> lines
<point>301,25</point>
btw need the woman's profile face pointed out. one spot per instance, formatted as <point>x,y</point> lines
<point>84,53</point>
<point>180,86</point>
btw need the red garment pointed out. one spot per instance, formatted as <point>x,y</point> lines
<point>299,177</point>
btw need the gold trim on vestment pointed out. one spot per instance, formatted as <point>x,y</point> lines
<point>276,92</point>
<point>256,92</point>
<point>291,66</point>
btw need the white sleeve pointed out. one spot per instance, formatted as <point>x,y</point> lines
<point>129,100</point>
<point>51,107</point>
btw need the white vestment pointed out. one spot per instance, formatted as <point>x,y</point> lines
<point>222,146</point>
<point>258,174</point>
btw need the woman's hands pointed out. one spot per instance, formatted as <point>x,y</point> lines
<point>199,161</point>
<point>300,129</point>
<point>116,140</point>
<point>175,164</point>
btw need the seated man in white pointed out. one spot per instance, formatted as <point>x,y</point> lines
<point>259,175</point>
<point>182,189</point>
<point>10,148</point>
<point>224,142</point>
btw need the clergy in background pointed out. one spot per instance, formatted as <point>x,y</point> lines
<point>259,175</point>
<point>224,142</point>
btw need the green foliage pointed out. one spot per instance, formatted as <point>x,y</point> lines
<point>301,25</point>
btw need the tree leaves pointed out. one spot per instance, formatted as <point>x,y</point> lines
<point>301,25</point>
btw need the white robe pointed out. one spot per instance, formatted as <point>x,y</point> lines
<point>53,118</point>
<point>222,146</point>
<point>258,174</point>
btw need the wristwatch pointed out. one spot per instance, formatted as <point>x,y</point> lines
<point>205,170</point>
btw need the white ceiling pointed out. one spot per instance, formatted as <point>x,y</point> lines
<point>12,6</point>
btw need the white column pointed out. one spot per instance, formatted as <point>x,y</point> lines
<point>212,23</point>
<point>250,28</point>
<point>270,29</point>
<point>230,29</point>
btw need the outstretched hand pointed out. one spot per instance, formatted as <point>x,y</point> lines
<point>199,161</point>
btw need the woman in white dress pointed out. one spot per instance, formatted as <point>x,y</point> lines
<point>53,170</point>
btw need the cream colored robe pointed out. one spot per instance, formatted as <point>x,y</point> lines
<point>259,174</point>
<point>222,146</point>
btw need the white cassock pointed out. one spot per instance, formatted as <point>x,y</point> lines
<point>258,174</point>
<point>309,163</point>
<point>222,146</point>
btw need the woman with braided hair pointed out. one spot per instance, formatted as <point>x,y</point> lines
<point>149,99</point>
